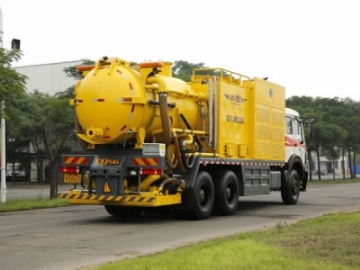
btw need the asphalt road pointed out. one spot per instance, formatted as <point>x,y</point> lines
<point>78,236</point>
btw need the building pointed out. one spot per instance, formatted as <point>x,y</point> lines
<point>48,78</point>
<point>327,166</point>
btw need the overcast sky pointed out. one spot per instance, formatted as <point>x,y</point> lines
<point>312,47</point>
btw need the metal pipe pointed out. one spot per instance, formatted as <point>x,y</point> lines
<point>144,186</point>
<point>159,81</point>
<point>177,151</point>
<point>3,141</point>
<point>202,115</point>
<point>164,109</point>
<point>3,154</point>
<point>188,140</point>
<point>210,104</point>
<point>189,127</point>
<point>180,130</point>
<point>165,119</point>
<point>215,112</point>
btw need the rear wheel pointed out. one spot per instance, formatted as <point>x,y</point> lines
<point>226,194</point>
<point>122,211</point>
<point>202,196</point>
<point>290,187</point>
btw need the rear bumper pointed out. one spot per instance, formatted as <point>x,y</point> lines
<point>141,199</point>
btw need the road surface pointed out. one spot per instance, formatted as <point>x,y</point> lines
<point>78,236</point>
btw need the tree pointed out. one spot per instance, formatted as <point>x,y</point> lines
<point>56,135</point>
<point>12,86</point>
<point>333,140</point>
<point>183,69</point>
<point>29,119</point>
<point>12,83</point>
<point>72,72</point>
<point>47,123</point>
<point>326,132</point>
<point>350,121</point>
<point>336,128</point>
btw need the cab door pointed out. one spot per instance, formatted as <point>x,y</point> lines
<point>295,140</point>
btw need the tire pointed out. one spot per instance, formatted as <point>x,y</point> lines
<point>203,196</point>
<point>290,187</point>
<point>122,211</point>
<point>226,194</point>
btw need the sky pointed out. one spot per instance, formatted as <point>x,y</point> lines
<point>311,47</point>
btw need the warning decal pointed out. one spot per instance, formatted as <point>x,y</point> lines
<point>106,188</point>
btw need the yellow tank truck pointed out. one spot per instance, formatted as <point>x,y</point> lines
<point>152,140</point>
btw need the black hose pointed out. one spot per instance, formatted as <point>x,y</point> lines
<point>171,184</point>
<point>188,165</point>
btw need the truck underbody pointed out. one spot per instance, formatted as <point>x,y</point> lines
<point>136,180</point>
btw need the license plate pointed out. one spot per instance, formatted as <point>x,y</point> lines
<point>72,178</point>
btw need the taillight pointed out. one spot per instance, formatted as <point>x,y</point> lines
<point>150,171</point>
<point>70,169</point>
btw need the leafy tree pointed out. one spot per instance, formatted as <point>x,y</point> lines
<point>56,134</point>
<point>12,83</point>
<point>183,70</point>
<point>335,135</point>
<point>47,122</point>
<point>12,86</point>
<point>29,119</point>
<point>337,125</point>
<point>72,72</point>
<point>350,121</point>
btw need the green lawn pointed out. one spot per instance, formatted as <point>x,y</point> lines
<point>28,204</point>
<point>329,242</point>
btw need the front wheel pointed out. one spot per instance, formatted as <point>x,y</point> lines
<point>290,187</point>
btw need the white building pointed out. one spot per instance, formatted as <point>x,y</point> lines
<point>327,167</point>
<point>48,78</point>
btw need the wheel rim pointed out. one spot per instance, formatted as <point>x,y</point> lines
<point>295,188</point>
<point>228,193</point>
<point>204,196</point>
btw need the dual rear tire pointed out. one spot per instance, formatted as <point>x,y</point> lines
<point>227,194</point>
<point>218,195</point>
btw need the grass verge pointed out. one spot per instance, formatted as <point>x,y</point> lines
<point>329,242</point>
<point>28,204</point>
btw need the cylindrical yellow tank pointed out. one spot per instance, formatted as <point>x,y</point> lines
<point>115,103</point>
